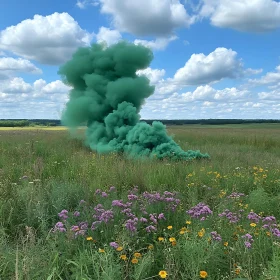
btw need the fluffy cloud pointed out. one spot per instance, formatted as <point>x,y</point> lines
<point>10,66</point>
<point>154,75</point>
<point>18,65</point>
<point>146,17</point>
<point>108,36</point>
<point>201,69</point>
<point>243,15</point>
<point>83,3</point>
<point>207,102</point>
<point>17,85</point>
<point>270,95</point>
<point>40,99</point>
<point>268,78</point>
<point>49,40</point>
<point>157,44</point>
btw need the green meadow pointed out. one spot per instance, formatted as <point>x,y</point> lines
<point>215,218</point>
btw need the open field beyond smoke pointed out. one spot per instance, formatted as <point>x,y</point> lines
<point>232,235</point>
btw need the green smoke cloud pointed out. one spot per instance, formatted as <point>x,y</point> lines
<point>107,94</point>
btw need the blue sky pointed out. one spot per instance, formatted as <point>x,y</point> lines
<point>212,58</point>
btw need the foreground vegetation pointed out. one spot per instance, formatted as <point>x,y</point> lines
<point>67,213</point>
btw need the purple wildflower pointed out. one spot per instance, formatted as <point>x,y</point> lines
<point>59,227</point>
<point>132,197</point>
<point>161,216</point>
<point>112,189</point>
<point>131,224</point>
<point>114,245</point>
<point>153,219</point>
<point>104,194</point>
<point>106,216</point>
<point>75,228</point>
<point>231,216</point>
<point>63,214</point>
<point>249,240</point>
<point>151,229</point>
<point>276,232</point>
<point>76,214</point>
<point>248,244</point>
<point>215,236</point>
<point>253,217</point>
<point>118,203</point>
<point>143,220</point>
<point>199,211</point>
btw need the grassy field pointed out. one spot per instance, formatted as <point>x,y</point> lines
<point>111,229</point>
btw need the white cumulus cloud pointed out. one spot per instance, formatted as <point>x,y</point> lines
<point>154,75</point>
<point>243,15</point>
<point>47,39</point>
<point>157,44</point>
<point>202,69</point>
<point>108,36</point>
<point>146,17</point>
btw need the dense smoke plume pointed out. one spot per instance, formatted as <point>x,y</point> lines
<point>107,94</point>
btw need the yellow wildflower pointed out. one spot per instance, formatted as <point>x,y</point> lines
<point>120,248</point>
<point>101,250</point>
<point>89,238</point>
<point>225,244</point>
<point>172,239</point>
<point>188,222</point>
<point>203,274</point>
<point>137,255</point>
<point>134,261</point>
<point>123,257</point>
<point>253,224</point>
<point>160,239</point>
<point>169,227</point>
<point>162,274</point>
<point>150,247</point>
<point>201,232</point>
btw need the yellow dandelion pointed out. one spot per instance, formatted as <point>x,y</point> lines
<point>137,255</point>
<point>123,257</point>
<point>169,227</point>
<point>173,243</point>
<point>134,261</point>
<point>162,274</point>
<point>160,239</point>
<point>225,244</point>
<point>201,233</point>
<point>151,247</point>
<point>203,274</point>
<point>253,224</point>
<point>101,250</point>
<point>172,239</point>
<point>188,222</point>
<point>89,238</point>
<point>268,233</point>
<point>119,249</point>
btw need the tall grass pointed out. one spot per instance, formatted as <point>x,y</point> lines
<point>45,171</point>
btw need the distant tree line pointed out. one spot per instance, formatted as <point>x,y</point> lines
<point>45,122</point>
<point>24,123</point>
<point>214,121</point>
